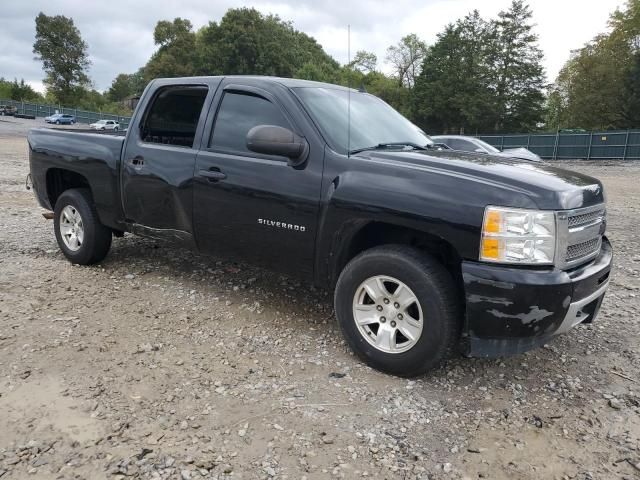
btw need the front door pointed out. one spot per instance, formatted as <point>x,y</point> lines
<point>252,206</point>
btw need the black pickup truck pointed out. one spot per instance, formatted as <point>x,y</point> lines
<point>426,250</point>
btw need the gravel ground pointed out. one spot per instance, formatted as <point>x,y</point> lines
<point>160,363</point>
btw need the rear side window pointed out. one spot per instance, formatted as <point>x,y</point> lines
<point>173,116</point>
<point>238,114</point>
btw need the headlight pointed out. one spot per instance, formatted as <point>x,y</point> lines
<point>514,235</point>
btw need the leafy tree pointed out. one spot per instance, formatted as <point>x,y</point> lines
<point>126,85</point>
<point>120,88</point>
<point>599,87</point>
<point>176,55</point>
<point>319,73</point>
<point>246,42</point>
<point>631,108</point>
<point>63,53</point>
<point>435,90</point>
<point>517,63</point>
<point>407,57</point>
<point>18,90</point>
<point>453,91</point>
<point>5,89</point>
<point>364,61</point>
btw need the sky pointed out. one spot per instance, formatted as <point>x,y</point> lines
<point>120,33</point>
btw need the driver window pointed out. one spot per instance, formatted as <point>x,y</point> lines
<point>239,113</point>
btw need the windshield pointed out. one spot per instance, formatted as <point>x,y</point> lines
<point>373,122</point>
<point>488,147</point>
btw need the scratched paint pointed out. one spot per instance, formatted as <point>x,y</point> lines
<point>483,298</point>
<point>470,278</point>
<point>535,314</point>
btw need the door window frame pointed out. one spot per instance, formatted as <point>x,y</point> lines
<point>251,91</point>
<point>199,123</point>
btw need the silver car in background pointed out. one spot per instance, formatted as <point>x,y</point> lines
<point>105,125</point>
<point>472,144</point>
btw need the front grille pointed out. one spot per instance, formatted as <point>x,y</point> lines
<point>584,249</point>
<point>579,235</point>
<point>582,219</point>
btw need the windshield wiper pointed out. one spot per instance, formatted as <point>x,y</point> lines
<point>382,146</point>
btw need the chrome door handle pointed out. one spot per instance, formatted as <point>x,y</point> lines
<point>212,175</point>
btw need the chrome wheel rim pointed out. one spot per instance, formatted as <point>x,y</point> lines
<point>71,228</point>
<point>388,314</point>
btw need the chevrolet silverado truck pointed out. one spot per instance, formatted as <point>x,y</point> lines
<point>427,250</point>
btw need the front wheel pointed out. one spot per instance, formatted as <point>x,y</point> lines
<point>80,235</point>
<point>399,309</point>
<point>57,122</point>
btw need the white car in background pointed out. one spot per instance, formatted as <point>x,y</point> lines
<point>471,144</point>
<point>105,125</point>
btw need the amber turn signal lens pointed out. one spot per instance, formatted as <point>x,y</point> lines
<point>490,248</point>
<point>492,222</point>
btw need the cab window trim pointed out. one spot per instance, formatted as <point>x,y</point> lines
<point>151,103</point>
<point>248,91</point>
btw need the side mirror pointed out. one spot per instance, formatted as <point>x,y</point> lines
<point>274,140</point>
<point>441,146</point>
<point>480,150</point>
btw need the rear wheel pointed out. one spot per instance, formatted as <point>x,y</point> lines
<point>80,235</point>
<point>398,309</point>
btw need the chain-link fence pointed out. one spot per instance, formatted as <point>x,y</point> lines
<point>82,116</point>
<point>606,145</point>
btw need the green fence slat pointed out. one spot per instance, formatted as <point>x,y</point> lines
<point>596,145</point>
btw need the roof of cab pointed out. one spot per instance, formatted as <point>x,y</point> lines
<point>287,82</point>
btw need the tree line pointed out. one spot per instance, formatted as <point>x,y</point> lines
<point>599,86</point>
<point>479,76</point>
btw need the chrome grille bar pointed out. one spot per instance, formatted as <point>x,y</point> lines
<point>579,235</point>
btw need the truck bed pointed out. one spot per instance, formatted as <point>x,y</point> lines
<point>94,156</point>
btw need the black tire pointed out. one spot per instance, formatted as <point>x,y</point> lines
<point>57,122</point>
<point>97,237</point>
<point>434,288</point>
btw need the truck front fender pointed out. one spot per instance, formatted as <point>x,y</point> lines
<point>355,201</point>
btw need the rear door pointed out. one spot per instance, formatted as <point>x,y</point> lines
<point>159,159</point>
<point>259,208</point>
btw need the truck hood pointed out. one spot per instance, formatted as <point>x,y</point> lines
<point>546,186</point>
<point>520,153</point>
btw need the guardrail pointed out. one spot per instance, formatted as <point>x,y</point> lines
<point>82,116</point>
<point>596,145</point>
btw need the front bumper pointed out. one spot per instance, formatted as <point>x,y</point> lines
<point>512,310</point>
